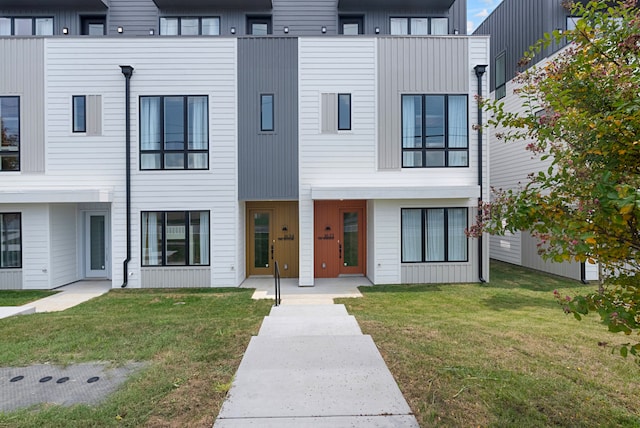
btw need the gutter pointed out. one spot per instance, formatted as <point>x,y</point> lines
<point>127,71</point>
<point>480,70</point>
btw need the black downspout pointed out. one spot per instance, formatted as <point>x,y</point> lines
<point>127,70</point>
<point>480,70</point>
<point>583,273</point>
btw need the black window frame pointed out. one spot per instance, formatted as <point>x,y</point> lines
<point>162,151</point>
<point>351,19</point>
<point>163,222</point>
<point>272,112</point>
<point>423,235</point>
<point>259,19</point>
<point>410,18</point>
<point>19,214</point>
<point>500,86</point>
<point>17,153</point>
<point>74,120</point>
<point>33,24</point>
<point>344,128</point>
<point>180,18</point>
<point>424,149</point>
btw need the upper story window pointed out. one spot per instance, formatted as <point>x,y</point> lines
<point>501,76</point>
<point>571,22</point>
<point>266,112</point>
<point>420,26</point>
<point>10,240</point>
<point>26,26</point>
<point>9,134</point>
<point>174,132</point>
<point>351,25</point>
<point>434,235</point>
<point>435,131</point>
<point>259,25</point>
<point>190,26</point>
<point>93,25</point>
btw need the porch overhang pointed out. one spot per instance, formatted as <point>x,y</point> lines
<point>395,4</point>
<point>423,192</point>
<point>55,196</point>
<point>81,5</point>
<point>246,5</point>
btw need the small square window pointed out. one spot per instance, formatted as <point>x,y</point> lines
<point>266,112</point>
<point>79,113</point>
<point>259,26</point>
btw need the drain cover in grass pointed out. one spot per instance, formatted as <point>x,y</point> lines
<point>87,383</point>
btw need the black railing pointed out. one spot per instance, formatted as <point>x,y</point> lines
<point>276,278</point>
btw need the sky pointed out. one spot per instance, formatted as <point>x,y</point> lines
<point>477,11</point>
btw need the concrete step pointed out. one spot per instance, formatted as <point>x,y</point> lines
<point>290,326</point>
<point>324,376</point>
<point>309,310</point>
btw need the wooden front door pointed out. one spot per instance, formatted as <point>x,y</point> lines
<point>339,233</point>
<point>272,235</point>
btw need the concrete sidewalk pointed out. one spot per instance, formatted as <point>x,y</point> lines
<point>67,297</point>
<point>311,366</point>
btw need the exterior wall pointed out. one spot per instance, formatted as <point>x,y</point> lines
<point>268,161</point>
<point>10,279</point>
<point>172,277</point>
<point>64,251</point>
<point>35,245</point>
<point>136,17</point>
<point>531,259</point>
<point>403,64</point>
<point>23,75</point>
<point>305,18</point>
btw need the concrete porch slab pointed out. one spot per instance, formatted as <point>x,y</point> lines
<point>309,311</point>
<point>313,376</point>
<point>322,422</point>
<point>289,326</point>
<point>72,295</point>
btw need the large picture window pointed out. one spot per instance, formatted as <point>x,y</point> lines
<point>419,26</point>
<point>190,26</point>
<point>434,235</point>
<point>26,26</point>
<point>9,134</point>
<point>174,132</point>
<point>435,131</point>
<point>10,240</point>
<point>175,238</point>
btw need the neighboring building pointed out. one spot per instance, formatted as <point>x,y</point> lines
<point>514,26</point>
<point>333,136</point>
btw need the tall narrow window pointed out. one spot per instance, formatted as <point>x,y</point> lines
<point>79,113</point>
<point>344,112</point>
<point>501,73</point>
<point>434,235</point>
<point>174,132</point>
<point>266,112</point>
<point>175,238</point>
<point>435,131</point>
<point>10,240</point>
<point>9,133</point>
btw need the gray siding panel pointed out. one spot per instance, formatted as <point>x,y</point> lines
<point>438,65</point>
<point>175,277</point>
<point>515,25</point>
<point>11,279</point>
<point>531,259</point>
<point>305,18</point>
<point>330,113</point>
<point>61,18</point>
<point>136,17</point>
<point>94,115</point>
<point>268,161</point>
<point>22,73</point>
<point>458,17</point>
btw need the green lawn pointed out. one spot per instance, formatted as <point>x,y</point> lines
<point>193,341</point>
<point>22,297</point>
<point>501,354</point>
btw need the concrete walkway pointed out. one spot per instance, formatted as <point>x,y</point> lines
<point>67,297</point>
<point>323,293</point>
<point>311,366</point>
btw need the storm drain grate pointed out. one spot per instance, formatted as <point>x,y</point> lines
<point>86,383</point>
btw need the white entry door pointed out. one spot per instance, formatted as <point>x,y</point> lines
<point>96,245</point>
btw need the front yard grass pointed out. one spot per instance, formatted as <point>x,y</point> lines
<point>193,341</point>
<point>501,354</point>
<point>22,297</point>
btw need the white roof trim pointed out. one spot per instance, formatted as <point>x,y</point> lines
<point>35,196</point>
<point>432,192</point>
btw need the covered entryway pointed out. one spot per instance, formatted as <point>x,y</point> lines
<point>340,238</point>
<point>96,244</point>
<point>272,235</point>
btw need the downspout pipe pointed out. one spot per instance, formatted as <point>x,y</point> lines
<point>480,70</point>
<point>127,71</point>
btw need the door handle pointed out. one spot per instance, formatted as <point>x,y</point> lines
<point>339,250</point>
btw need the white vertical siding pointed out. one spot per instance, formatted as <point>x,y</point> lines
<point>35,245</point>
<point>64,251</point>
<point>10,279</point>
<point>175,277</point>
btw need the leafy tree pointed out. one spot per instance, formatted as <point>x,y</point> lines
<point>582,113</point>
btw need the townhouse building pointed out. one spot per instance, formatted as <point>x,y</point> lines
<point>514,26</point>
<point>194,143</point>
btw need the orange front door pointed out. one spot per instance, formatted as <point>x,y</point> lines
<point>339,234</point>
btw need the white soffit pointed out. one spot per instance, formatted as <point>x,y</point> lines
<point>47,196</point>
<point>440,192</point>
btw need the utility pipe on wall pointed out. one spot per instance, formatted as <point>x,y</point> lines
<point>480,70</point>
<point>127,71</point>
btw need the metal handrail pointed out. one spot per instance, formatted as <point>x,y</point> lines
<point>276,277</point>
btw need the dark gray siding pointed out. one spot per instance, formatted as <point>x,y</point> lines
<point>61,18</point>
<point>515,25</point>
<point>268,161</point>
<point>136,17</point>
<point>305,18</point>
<point>458,17</point>
<point>228,18</point>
